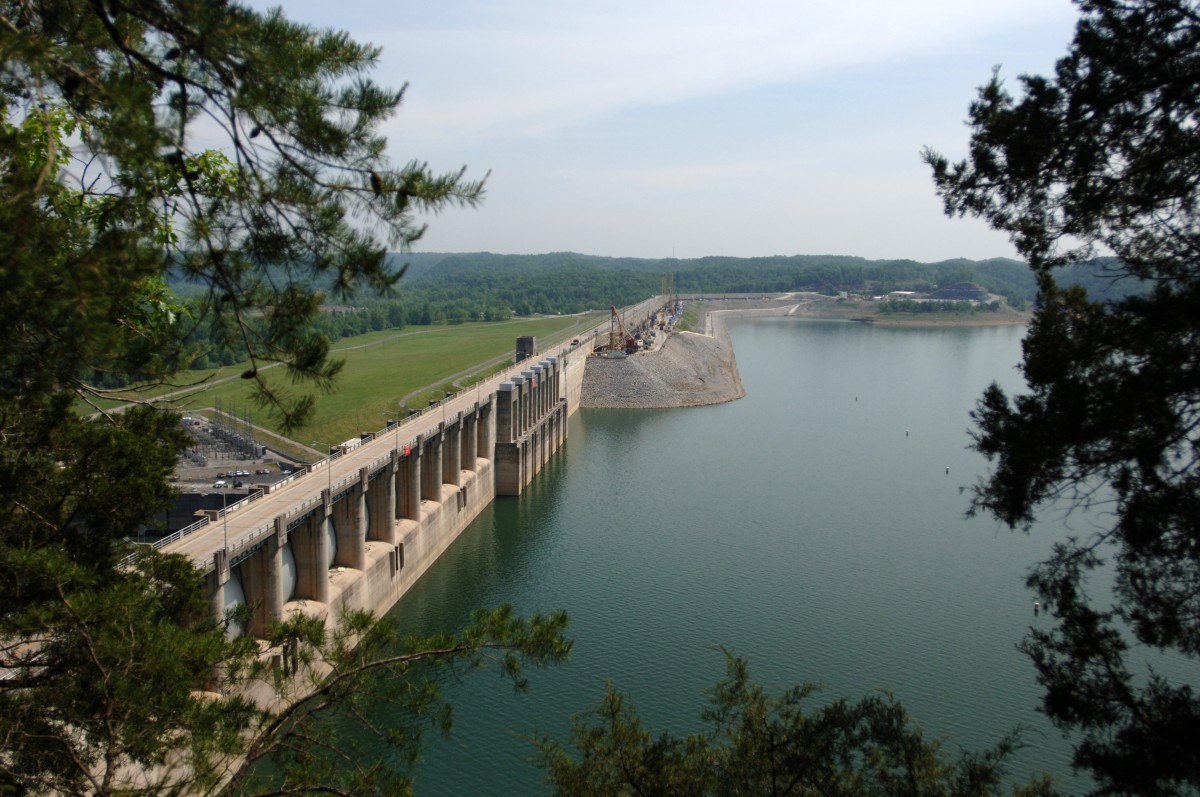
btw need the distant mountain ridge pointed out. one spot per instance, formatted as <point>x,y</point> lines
<point>570,281</point>
<point>772,274</point>
<point>453,288</point>
<point>424,264</point>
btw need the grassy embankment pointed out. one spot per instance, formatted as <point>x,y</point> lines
<point>691,318</point>
<point>382,369</point>
<point>980,318</point>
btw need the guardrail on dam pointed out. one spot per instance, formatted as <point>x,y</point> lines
<point>359,528</point>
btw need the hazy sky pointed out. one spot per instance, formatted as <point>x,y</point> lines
<point>659,128</point>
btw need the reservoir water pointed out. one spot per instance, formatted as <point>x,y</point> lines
<point>815,527</point>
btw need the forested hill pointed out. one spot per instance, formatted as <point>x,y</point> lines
<point>570,282</point>
<point>455,288</point>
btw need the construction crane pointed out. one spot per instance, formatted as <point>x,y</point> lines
<point>618,337</point>
<point>666,298</point>
<point>669,300</point>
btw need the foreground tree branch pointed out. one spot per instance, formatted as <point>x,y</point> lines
<point>1102,159</point>
<point>754,743</point>
<point>144,143</point>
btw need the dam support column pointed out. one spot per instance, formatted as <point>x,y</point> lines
<point>509,474</point>
<point>274,597</point>
<point>310,547</point>
<point>548,429</point>
<point>431,470</point>
<point>382,500</point>
<point>526,390</point>
<point>470,438</point>
<point>536,381</point>
<point>523,424</point>
<point>408,488</point>
<point>262,580</point>
<point>557,367</point>
<point>558,401</point>
<point>537,426</point>
<point>326,537</point>
<point>349,523</point>
<point>214,582</point>
<point>564,411</point>
<point>506,412</point>
<point>486,427</point>
<point>452,452</point>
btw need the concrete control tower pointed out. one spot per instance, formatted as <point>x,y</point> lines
<point>526,347</point>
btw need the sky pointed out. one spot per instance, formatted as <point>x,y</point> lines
<point>687,128</point>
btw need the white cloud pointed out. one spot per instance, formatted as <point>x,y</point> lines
<point>704,127</point>
<point>540,67</point>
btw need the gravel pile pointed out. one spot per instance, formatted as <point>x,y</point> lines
<point>688,370</point>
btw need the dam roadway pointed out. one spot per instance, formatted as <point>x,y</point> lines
<point>357,529</point>
<point>248,516</point>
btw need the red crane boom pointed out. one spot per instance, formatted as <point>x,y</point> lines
<point>624,340</point>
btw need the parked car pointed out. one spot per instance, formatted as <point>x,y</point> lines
<point>223,475</point>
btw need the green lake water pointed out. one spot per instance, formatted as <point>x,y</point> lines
<point>811,527</point>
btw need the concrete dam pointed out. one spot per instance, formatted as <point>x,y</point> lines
<point>358,529</point>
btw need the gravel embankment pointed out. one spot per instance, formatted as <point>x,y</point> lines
<point>688,370</point>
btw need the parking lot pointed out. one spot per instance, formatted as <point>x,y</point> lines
<point>239,476</point>
<point>216,465</point>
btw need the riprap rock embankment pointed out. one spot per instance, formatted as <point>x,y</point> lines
<point>687,370</point>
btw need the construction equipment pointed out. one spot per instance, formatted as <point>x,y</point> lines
<point>665,312</point>
<point>618,337</point>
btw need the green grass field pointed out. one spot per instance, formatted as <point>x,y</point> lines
<point>692,317</point>
<point>382,368</point>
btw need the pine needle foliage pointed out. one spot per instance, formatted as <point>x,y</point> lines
<point>1103,158</point>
